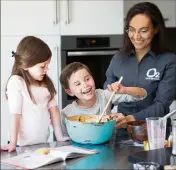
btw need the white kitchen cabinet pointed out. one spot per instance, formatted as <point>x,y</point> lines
<point>9,44</point>
<point>167,7</point>
<point>87,17</point>
<point>30,17</point>
<point>68,17</point>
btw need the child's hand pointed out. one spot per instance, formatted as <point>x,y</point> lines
<point>118,88</point>
<point>10,147</point>
<point>120,120</point>
<point>64,138</point>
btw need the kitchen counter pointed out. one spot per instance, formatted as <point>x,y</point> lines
<point>112,155</point>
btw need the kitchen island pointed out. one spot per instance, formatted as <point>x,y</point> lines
<point>112,155</point>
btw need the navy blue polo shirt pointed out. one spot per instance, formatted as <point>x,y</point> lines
<point>155,73</point>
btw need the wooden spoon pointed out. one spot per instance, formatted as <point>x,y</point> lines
<point>109,101</point>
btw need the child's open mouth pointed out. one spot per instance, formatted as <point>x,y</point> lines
<point>87,91</point>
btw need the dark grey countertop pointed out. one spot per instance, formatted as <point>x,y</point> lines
<point>112,155</point>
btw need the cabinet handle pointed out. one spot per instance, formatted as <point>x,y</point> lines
<point>58,60</point>
<point>68,12</point>
<point>56,12</point>
<point>166,19</point>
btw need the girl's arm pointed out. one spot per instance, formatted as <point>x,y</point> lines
<point>15,102</point>
<point>56,123</point>
<point>14,129</point>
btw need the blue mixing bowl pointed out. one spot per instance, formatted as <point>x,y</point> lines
<point>84,132</point>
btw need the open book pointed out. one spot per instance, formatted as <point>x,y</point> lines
<point>35,160</point>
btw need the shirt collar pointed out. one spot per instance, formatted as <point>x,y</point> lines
<point>150,53</point>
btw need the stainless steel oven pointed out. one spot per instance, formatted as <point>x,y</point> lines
<point>94,51</point>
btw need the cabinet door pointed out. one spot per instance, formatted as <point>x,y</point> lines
<point>29,17</point>
<point>167,7</point>
<point>85,17</point>
<point>9,44</point>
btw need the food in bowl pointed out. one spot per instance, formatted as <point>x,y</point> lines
<point>137,130</point>
<point>85,129</point>
<point>94,118</point>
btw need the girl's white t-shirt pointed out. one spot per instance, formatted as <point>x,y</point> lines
<point>35,118</point>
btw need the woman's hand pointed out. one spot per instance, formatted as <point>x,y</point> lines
<point>10,147</point>
<point>117,88</point>
<point>130,118</point>
<point>120,120</point>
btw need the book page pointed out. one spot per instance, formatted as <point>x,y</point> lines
<point>34,160</point>
<point>74,149</point>
<point>71,152</point>
<point>30,161</point>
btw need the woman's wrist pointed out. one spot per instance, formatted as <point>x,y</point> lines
<point>129,90</point>
<point>130,118</point>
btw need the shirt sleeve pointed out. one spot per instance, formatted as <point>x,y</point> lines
<point>164,95</point>
<point>110,77</point>
<point>120,98</point>
<point>52,103</point>
<point>63,125</point>
<point>14,94</point>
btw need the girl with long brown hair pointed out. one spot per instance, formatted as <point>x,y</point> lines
<point>31,96</point>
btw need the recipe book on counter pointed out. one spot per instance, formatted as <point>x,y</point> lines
<point>46,156</point>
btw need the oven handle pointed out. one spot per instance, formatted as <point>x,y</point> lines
<point>85,53</point>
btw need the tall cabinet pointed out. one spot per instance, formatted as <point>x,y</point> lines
<point>19,19</point>
<point>84,17</point>
<point>28,17</point>
<point>48,20</point>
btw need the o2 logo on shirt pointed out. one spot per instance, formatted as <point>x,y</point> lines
<point>152,74</point>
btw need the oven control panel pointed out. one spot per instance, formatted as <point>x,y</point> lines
<point>87,42</point>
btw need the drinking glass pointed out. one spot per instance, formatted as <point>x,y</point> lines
<point>146,166</point>
<point>156,130</point>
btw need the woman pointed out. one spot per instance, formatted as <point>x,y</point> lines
<point>144,62</point>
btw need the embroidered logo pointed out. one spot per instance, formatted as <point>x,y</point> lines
<point>152,74</point>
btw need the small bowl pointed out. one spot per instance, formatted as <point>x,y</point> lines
<point>137,130</point>
<point>82,130</point>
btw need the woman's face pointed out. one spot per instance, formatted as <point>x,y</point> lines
<point>141,31</point>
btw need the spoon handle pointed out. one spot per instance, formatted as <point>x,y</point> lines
<point>169,114</point>
<point>104,111</point>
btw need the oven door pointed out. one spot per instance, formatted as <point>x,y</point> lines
<point>97,61</point>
